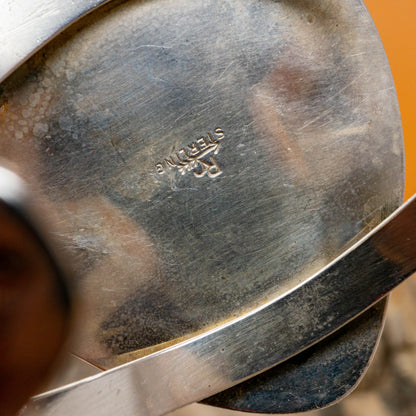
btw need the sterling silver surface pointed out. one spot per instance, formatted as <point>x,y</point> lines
<point>27,25</point>
<point>218,359</point>
<point>200,158</point>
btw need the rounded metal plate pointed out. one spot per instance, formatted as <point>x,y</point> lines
<point>201,157</point>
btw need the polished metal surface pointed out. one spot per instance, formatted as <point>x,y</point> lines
<point>210,363</point>
<point>322,374</point>
<point>203,157</point>
<point>27,25</point>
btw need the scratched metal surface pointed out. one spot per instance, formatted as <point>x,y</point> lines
<point>26,26</point>
<point>200,157</point>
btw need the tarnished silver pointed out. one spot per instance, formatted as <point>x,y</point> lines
<point>26,26</point>
<point>218,359</point>
<point>203,157</point>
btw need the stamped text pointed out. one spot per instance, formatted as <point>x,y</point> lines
<point>197,157</point>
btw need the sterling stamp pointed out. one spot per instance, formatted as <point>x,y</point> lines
<point>197,157</point>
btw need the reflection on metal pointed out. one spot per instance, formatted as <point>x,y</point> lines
<point>27,25</point>
<point>304,97</point>
<point>226,356</point>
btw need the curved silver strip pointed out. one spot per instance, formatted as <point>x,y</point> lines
<point>27,25</point>
<point>219,359</point>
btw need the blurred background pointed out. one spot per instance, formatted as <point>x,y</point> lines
<point>389,387</point>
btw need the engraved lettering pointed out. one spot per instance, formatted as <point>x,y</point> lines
<point>211,168</point>
<point>183,152</point>
<point>214,170</point>
<point>170,163</point>
<point>203,144</point>
<point>219,133</point>
<point>160,168</point>
<point>193,149</point>
<point>196,157</point>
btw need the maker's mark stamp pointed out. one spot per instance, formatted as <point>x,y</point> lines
<point>197,157</point>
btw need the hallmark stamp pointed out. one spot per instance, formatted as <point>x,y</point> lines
<point>197,157</point>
